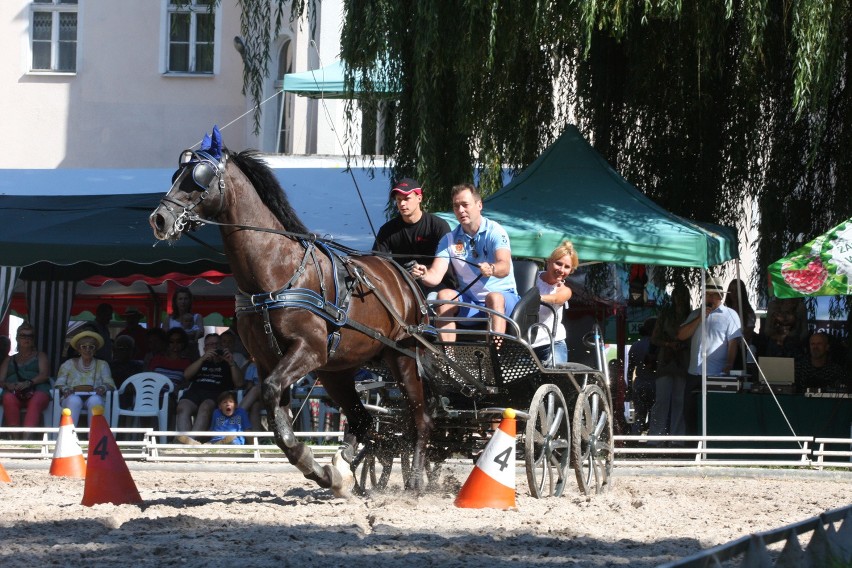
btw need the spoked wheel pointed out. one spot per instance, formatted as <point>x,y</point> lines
<point>372,468</point>
<point>591,447</point>
<point>547,440</point>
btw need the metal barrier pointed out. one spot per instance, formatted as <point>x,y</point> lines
<point>784,451</point>
<point>828,546</point>
<point>821,453</point>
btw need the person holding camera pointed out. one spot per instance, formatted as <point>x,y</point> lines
<point>210,375</point>
<point>413,236</point>
<point>722,335</point>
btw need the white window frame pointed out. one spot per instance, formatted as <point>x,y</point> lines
<point>191,8</point>
<point>55,8</point>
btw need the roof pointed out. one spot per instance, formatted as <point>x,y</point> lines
<point>570,192</point>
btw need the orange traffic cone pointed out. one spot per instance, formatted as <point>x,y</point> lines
<point>491,484</point>
<point>107,477</point>
<point>4,477</point>
<point>67,455</point>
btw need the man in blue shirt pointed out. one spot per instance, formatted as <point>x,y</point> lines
<point>479,252</point>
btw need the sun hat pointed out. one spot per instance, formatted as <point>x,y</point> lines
<point>75,341</point>
<point>716,285</point>
<point>406,186</point>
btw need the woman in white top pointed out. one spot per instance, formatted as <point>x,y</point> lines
<point>551,283</point>
<point>84,376</point>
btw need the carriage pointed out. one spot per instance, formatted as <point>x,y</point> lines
<point>307,304</point>
<point>566,410</point>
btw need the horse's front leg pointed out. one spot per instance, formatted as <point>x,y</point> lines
<point>294,365</point>
<point>404,370</point>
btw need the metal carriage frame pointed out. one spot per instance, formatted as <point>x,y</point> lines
<point>470,380</point>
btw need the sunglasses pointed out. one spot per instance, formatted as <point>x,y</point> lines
<point>87,347</point>
<point>25,335</point>
<point>474,252</point>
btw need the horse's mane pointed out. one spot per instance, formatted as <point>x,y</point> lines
<point>268,189</point>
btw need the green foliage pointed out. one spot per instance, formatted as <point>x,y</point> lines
<point>714,109</point>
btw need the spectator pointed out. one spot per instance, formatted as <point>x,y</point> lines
<point>158,344</point>
<point>173,362</point>
<point>413,235</point>
<point>139,334</point>
<point>123,364</point>
<point>672,366</point>
<point>721,339</point>
<point>481,257</point>
<point>748,319</point>
<point>210,375</point>
<point>230,418</point>
<point>228,340</point>
<point>182,316</point>
<point>818,371</point>
<point>25,380</point>
<point>551,283</point>
<point>84,376</point>
<point>786,329</point>
<point>642,376</point>
<point>103,317</point>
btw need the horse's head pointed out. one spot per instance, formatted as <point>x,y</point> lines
<point>197,193</point>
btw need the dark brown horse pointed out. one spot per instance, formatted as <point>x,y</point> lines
<point>302,307</point>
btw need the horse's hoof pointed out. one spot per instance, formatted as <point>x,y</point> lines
<point>346,452</point>
<point>344,482</point>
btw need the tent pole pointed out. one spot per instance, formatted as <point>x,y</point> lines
<point>703,353</point>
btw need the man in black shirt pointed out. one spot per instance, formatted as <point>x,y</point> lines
<point>414,232</point>
<point>209,375</point>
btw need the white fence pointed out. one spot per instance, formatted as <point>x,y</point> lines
<point>754,451</point>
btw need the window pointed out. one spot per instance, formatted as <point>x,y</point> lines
<point>192,26</point>
<point>54,35</point>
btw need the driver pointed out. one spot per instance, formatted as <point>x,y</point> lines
<point>479,252</point>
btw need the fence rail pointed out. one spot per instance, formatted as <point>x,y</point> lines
<point>756,451</point>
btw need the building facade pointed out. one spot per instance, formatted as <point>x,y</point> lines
<point>129,84</point>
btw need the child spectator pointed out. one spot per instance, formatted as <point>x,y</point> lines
<point>228,417</point>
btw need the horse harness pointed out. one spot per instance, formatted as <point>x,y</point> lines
<point>346,276</point>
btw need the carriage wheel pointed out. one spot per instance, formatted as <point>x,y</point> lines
<point>591,445</point>
<point>547,440</point>
<point>372,468</point>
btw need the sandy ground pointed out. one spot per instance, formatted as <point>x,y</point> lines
<point>268,515</point>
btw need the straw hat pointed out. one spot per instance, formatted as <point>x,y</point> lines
<point>75,341</point>
<point>716,285</point>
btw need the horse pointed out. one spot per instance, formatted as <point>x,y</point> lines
<point>305,304</point>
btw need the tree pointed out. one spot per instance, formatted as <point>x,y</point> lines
<point>709,107</point>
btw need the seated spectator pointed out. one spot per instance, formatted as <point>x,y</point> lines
<point>210,375</point>
<point>230,418</point>
<point>84,376</point>
<point>479,252</point>
<point>139,334</point>
<point>551,283</point>
<point>818,371</point>
<point>183,317</point>
<point>158,343</point>
<point>25,379</point>
<point>173,362</point>
<point>228,340</point>
<point>124,366</point>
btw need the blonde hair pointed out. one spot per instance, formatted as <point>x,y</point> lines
<point>566,248</point>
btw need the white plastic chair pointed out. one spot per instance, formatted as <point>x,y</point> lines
<point>152,399</point>
<point>56,404</point>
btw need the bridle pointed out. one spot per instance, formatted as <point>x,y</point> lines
<point>205,169</point>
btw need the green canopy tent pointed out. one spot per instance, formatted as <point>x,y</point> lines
<point>571,192</point>
<point>822,267</point>
<point>328,82</point>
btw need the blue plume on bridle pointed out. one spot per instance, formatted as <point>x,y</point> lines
<point>212,145</point>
